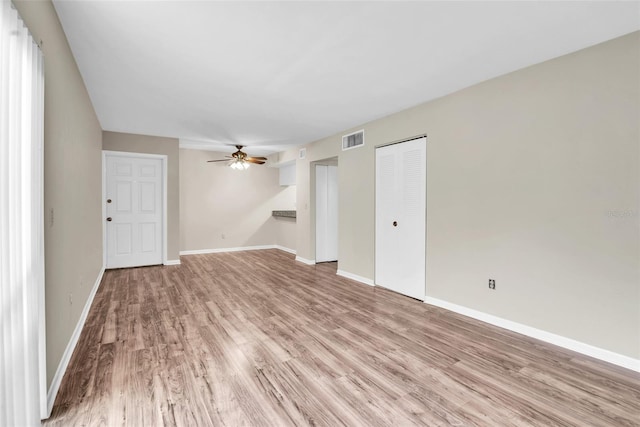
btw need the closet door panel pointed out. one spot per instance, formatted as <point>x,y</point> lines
<point>401,217</point>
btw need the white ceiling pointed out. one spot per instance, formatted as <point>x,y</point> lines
<point>277,73</point>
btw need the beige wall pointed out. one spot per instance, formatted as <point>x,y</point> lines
<point>217,201</point>
<point>286,232</point>
<point>115,141</point>
<point>532,180</point>
<point>72,183</point>
<point>286,227</point>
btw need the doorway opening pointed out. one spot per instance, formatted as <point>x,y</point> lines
<point>326,210</point>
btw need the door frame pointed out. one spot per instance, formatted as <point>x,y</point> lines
<point>329,161</point>
<point>426,204</point>
<point>163,158</point>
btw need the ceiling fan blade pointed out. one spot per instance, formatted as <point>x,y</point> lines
<point>255,160</point>
<point>221,160</point>
<point>264,159</point>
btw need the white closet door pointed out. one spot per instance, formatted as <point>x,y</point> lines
<point>326,213</point>
<point>401,217</point>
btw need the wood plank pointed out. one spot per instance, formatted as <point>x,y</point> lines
<point>254,338</point>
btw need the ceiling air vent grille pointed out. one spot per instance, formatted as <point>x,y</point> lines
<point>353,140</point>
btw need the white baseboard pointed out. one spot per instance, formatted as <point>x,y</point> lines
<point>172,262</point>
<point>355,277</point>
<point>68,352</point>
<point>238,249</point>
<point>306,261</point>
<point>214,251</point>
<point>282,248</point>
<point>560,341</point>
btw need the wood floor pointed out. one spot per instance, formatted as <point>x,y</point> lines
<point>254,338</point>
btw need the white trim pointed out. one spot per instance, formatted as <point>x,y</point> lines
<point>282,248</point>
<point>564,342</point>
<point>306,261</point>
<point>104,208</point>
<point>355,277</point>
<point>66,357</point>
<point>165,172</point>
<point>165,184</point>
<point>238,249</point>
<point>172,262</point>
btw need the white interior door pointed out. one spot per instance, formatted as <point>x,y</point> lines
<point>401,217</point>
<point>133,210</point>
<point>326,213</point>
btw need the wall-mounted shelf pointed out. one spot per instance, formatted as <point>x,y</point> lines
<point>284,214</point>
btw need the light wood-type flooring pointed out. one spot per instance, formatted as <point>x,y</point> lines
<point>254,338</point>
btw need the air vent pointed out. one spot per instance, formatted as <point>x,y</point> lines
<point>353,140</point>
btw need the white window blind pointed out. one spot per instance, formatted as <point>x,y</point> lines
<point>22,361</point>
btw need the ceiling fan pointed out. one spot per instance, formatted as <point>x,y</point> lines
<point>240,160</point>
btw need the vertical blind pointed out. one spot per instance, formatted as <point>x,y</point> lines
<point>22,362</point>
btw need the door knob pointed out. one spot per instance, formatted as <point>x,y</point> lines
<point>109,219</point>
<point>395,223</point>
<point>108,200</point>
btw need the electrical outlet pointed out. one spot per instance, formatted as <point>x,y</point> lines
<point>492,284</point>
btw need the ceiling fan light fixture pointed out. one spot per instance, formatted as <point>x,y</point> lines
<point>240,160</point>
<point>239,164</point>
